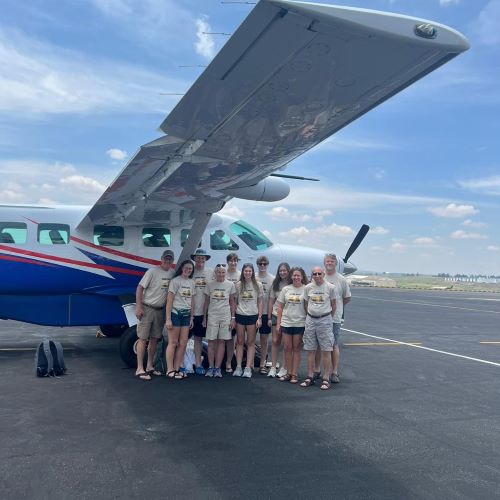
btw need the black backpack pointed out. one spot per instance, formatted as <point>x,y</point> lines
<point>49,359</point>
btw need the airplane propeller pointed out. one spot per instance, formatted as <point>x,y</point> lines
<point>357,241</point>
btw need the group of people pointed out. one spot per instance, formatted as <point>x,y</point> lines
<point>228,306</point>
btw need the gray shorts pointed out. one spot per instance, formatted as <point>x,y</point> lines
<point>336,333</point>
<point>318,334</point>
<point>218,329</point>
<point>151,324</point>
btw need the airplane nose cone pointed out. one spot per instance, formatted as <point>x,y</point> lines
<point>349,268</point>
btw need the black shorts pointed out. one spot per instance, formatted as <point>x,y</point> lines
<point>264,329</point>
<point>198,329</point>
<point>246,320</point>
<point>293,330</point>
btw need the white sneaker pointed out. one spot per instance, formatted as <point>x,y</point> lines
<point>282,372</point>
<point>218,373</point>
<point>237,372</point>
<point>210,372</point>
<point>272,372</point>
<point>247,372</point>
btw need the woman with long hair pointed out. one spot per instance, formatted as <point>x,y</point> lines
<point>180,304</point>
<point>249,294</point>
<point>281,280</point>
<point>290,321</point>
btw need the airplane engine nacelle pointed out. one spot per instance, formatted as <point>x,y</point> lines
<point>268,189</point>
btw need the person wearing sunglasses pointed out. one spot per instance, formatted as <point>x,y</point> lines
<point>218,318</point>
<point>265,329</point>
<point>291,320</point>
<point>320,304</point>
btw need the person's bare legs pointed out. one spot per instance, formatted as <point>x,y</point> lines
<point>211,353</point>
<point>277,339</point>
<point>219,352</point>
<point>317,362</point>
<point>251,334</point>
<point>335,359</point>
<point>141,350</point>
<point>181,348</point>
<point>288,349</point>
<point>326,358</point>
<point>264,340</point>
<point>153,342</point>
<point>240,341</point>
<point>229,353</point>
<point>173,342</point>
<point>296,347</point>
<point>197,350</point>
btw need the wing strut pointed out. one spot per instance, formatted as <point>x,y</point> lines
<point>201,220</point>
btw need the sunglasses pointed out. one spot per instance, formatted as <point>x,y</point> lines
<point>262,263</point>
<point>220,265</point>
<point>317,274</point>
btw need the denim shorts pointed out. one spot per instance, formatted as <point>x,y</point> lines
<point>181,318</point>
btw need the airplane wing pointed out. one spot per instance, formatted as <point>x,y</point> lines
<point>289,77</point>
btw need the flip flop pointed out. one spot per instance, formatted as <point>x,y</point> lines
<point>229,369</point>
<point>156,373</point>
<point>143,376</point>
<point>171,374</point>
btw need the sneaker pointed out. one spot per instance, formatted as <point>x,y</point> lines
<point>272,372</point>
<point>210,372</point>
<point>218,373</point>
<point>283,371</point>
<point>200,370</point>
<point>247,372</point>
<point>238,372</point>
<point>334,378</point>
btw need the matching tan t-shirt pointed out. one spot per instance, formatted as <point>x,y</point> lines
<point>183,290</point>
<point>219,293</point>
<point>201,279</point>
<point>155,283</point>
<point>342,291</point>
<point>292,298</point>
<point>247,296</point>
<point>319,298</point>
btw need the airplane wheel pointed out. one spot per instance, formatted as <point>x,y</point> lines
<point>113,330</point>
<point>128,342</point>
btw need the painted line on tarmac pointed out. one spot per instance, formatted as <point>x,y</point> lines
<point>489,342</point>
<point>455,355</point>
<point>379,343</point>
<point>14,349</point>
<point>430,305</point>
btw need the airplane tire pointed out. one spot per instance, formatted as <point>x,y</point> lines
<point>113,330</point>
<point>127,346</point>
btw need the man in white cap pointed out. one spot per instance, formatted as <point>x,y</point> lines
<point>150,299</point>
<point>201,276</point>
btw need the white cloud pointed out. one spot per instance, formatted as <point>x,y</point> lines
<point>232,210</point>
<point>116,154</point>
<point>471,223</point>
<point>378,230</point>
<point>397,247</point>
<point>296,231</point>
<point>453,210</point>
<point>346,145</point>
<point>335,230</point>
<point>82,183</point>
<point>486,25</point>
<point>424,241</point>
<point>267,233</point>
<point>460,234</point>
<point>40,78</point>
<point>204,45</point>
<point>445,3</point>
<point>493,248</point>
<point>283,213</point>
<point>486,185</point>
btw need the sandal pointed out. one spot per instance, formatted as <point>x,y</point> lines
<point>325,385</point>
<point>307,382</point>
<point>229,369</point>
<point>156,373</point>
<point>143,376</point>
<point>171,374</point>
<point>294,379</point>
<point>263,370</point>
<point>285,378</point>
<point>316,375</point>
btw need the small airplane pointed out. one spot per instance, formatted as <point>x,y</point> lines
<point>291,75</point>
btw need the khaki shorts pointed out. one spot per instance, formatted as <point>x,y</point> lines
<point>218,329</point>
<point>318,334</point>
<point>151,324</point>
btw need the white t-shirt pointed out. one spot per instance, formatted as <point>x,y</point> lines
<point>201,279</point>
<point>155,283</point>
<point>319,298</point>
<point>233,277</point>
<point>219,293</point>
<point>267,281</point>
<point>342,291</point>
<point>292,299</point>
<point>273,296</point>
<point>183,290</point>
<point>246,297</point>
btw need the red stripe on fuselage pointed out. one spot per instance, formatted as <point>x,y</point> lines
<point>72,261</point>
<point>27,261</point>
<point>115,252</point>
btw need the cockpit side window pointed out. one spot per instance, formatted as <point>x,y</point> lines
<point>156,237</point>
<point>219,240</point>
<point>13,232</point>
<point>250,235</point>
<point>53,234</point>
<point>108,236</point>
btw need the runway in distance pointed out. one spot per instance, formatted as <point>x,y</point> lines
<point>291,75</point>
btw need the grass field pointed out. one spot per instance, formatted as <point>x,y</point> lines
<point>431,282</point>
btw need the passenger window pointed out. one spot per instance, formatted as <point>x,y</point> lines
<point>184,237</point>
<point>13,232</point>
<point>219,240</point>
<point>108,236</point>
<point>53,234</point>
<point>156,237</point>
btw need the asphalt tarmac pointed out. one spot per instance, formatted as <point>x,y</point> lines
<point>416,415</point>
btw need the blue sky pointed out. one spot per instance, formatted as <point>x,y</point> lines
<point>82,84</point>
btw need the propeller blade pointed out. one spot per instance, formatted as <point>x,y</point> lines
<point>357,241</point>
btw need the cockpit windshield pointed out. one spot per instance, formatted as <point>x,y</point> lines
<point>251,236</point>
